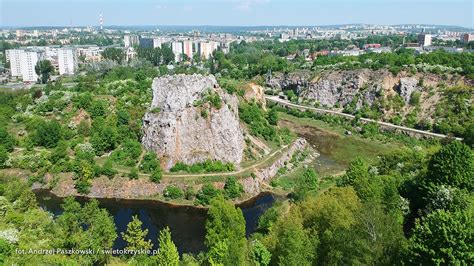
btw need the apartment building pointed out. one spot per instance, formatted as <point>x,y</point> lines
<point>22,64</point>
<point>66,61</point>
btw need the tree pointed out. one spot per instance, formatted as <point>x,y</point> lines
<point>167,54</point>
<point>115,54</point>
<point>135,236</point>
<point>290,243</point>
<point>6,139</point>
<point>101,232</point>
<point>60,152</point>
<point>232,188</point>
<point>104,139</point>
<point>273,117</point>
<point>260,254</point>
<point>331,215</point>
<point>168,253</point>
<point>43,69</point>
<point>443,237</point>
<point>206,193</point>
<point>225,233</point>
<point>27,201</point>
<point>47,134</point>
<point>87,227</point>
<point>469,135</point>
<point>452,165</point>
<point>306,183</point>
<point>3,156</point>
<point>361,180</point>
<point>97,108</point>
<point>150,163</point>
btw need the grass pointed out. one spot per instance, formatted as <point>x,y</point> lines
<point>336,150</point>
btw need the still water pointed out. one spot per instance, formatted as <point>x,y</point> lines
<point>185,222</point>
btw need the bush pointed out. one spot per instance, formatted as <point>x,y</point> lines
<point>149,163</point>
<point>6,139</point>
<point>156,176</point>
<point>189,193</point>
<point>98,108</point>
<point>232,188</point>
<point>173,192</point>
<point>108,169</point>
<point>47,134</point>
<point>207,192</point>
<point>82,186</point>
<point>133,173</point>
<point>3,156</point>
<point>128,154</point>
<point>208,166</point>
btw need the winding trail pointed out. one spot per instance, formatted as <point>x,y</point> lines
<point>385,124</point>
<point>242,170</point>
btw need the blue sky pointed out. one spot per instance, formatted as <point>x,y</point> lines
<point>235,12</point>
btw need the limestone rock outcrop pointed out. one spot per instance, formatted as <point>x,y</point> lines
<point>185,125</point>
<point>406,87</point>
<point>334,87</point>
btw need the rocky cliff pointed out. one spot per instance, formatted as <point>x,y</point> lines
<point>192,119</point>
<point>366,87</point>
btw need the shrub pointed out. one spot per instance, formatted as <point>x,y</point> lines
<point>208,166</point>
<point>173,192</point>
<point>156,176</point>
<point>207,192</point>
<point>108,169</point>
<point>232,188</point>
<point>149,163</point>
<point>133,173</point>
<point>47,134</point>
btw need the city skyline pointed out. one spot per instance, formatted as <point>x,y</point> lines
<point>235,13</point>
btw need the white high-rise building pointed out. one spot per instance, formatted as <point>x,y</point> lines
<point>206,48</point>
<point>14,57</point>
<point>157,42</point>
<point>131,40</point>
<point>66,61</point>
<point>22,64</point>
<point>177,48</point>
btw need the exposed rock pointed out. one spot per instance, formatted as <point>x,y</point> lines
<point>333,87</point>
<point>267,173</point>
<point>255,92</point>
<point>118,187</point>
<point>252,185</point>
<point>296,81</point>
<point>178,132</point>
<point>407,87</point>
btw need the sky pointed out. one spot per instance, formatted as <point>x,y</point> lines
<point>235,12</point>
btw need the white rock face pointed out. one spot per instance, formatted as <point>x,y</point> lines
<point>178,132</point>
<point>407,87</point>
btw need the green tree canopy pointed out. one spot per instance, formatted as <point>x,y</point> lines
<point>168,254</point>
<point>43,69</point>
<point>115,54</point>
<point>443,238</point>
<point>452,165</point>
<point>135,236</point>
<point>225,233</point>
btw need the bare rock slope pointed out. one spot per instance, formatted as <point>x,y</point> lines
<point>185,125</point>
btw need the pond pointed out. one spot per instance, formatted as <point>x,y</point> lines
<point>185,222</point>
